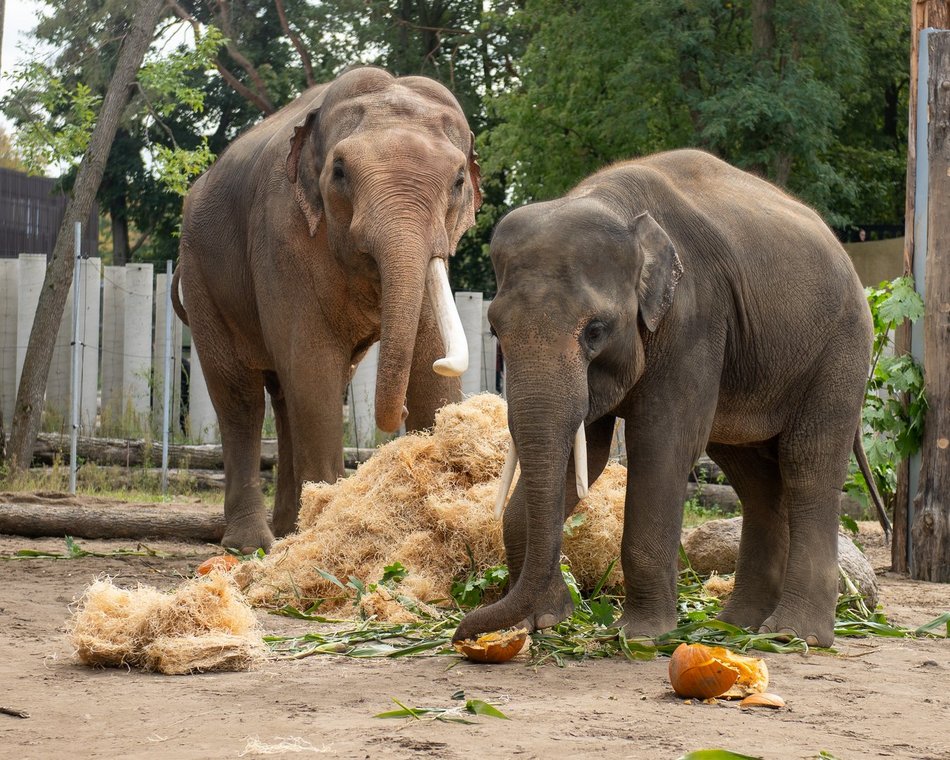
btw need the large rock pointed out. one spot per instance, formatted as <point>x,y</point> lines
<point>714,547</point>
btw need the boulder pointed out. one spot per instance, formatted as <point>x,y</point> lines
<point>714,547</point>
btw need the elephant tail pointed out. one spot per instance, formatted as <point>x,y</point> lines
<point>865,468</point>
<point>177,305</point>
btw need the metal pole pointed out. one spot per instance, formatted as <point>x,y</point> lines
<point>166,401</point>
<point>75,372</point>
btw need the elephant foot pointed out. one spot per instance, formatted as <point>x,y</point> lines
<point>745,614</point>
<point>791,624</point>
<point>284,523</point>
<point>247,536</point>
<point>547,610</point>
<point>637,625</point>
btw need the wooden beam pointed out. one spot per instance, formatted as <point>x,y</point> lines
<point>930,548</point>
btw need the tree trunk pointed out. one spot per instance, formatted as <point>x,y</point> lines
<point>936,14</point>
<point>931,529</point>
<point>59,274</point>
<point>132,521</point>
<point>118,215</point>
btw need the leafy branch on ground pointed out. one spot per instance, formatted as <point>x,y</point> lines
<point>454,714</point>
<point>75,551</point>
<point>588,633</point>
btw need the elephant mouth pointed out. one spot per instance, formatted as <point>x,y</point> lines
<point>511,460</point>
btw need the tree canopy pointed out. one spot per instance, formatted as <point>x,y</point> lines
<point>809,93</point>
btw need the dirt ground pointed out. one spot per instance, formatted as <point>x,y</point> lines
<point>877,698</point>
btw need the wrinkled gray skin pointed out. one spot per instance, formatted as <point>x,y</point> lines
<point>307,241</point>
<point>709,310</point>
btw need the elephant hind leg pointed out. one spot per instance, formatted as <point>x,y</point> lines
<point>287,499</point>
<point>763,546</point>
<point>813,459</point>
<point>237,393</point>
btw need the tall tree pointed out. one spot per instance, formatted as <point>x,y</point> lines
<point>49,313</point>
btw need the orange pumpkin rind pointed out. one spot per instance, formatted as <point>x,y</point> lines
<point>223,562</point>
<point>700,671</point>
<point>494,647</point>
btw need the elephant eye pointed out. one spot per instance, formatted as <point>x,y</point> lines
<point>338,172</point>
<point>459,181</point>
<point>594,334</point>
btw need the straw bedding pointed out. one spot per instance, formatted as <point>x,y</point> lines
<point>204,625</point>
<point>426,501</point>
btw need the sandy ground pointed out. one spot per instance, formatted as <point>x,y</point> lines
<point>877,698</point>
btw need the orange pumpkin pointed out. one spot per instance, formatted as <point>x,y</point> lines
<point>700,671</point>
<point>494,647</point>
<point>223,562</point>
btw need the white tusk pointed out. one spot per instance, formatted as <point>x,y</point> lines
<point>580,461</point>
<point>507,475</point>
<point>447,318</point>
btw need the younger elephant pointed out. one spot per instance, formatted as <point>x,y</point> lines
<point>709,310</point>
<point>325,228</point>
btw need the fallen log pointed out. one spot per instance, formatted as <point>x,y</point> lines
<point>126,521</point>
<point>124,452</point>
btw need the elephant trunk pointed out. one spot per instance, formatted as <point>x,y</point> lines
<point>544,423</point>
<point>405,270</point>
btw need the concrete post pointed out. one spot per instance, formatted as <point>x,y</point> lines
<point>32,272</point>
<point>489,352</point>
<point>90,279</point>
<point>203,422</point>
<point>470,311</point>
<point>113,347</point>
<point>362,417</point>
<point>137,348</point>
<point>9,279</point>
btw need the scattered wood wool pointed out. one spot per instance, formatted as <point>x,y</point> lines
<point>204,625</point>
<point>425,500</point>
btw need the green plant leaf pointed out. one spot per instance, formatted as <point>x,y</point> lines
<point>717,754</point>
<point>479,707</point>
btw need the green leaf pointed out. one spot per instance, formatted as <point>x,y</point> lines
<point>330,577</point>
<point>478,707</point>
<point>394,573</point>
<point>850,524</point>
<point>717,754</point>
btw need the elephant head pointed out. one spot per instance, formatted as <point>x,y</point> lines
<point>581,290</point>
<point>389,167</point>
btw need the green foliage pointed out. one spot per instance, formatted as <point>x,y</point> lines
<point>602,81</point>
<point>470,591</point>
<point>55,118</point>
<point>894,404</point>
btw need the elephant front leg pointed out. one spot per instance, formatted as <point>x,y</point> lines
<point>653,518</point>
<point>313,395</point>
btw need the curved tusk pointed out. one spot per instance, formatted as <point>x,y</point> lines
<point>507,475</point>
<point>580,461</point>
<point>447,318</point>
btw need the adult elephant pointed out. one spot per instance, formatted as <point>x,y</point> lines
<point>709,310</point>
<point>321,230</point>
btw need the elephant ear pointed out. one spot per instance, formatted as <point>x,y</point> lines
<point>660,271</point>
<point>303,170</point>
<point>475,173</point>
